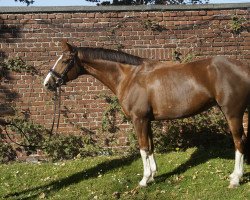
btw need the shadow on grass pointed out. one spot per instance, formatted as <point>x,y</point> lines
<point>246,178</point>
<point>55,186</point>
<point>200,156</point>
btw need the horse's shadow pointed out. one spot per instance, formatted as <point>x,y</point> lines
<point>73,179</point>
<point>204,154</point>
<point>199,156</point>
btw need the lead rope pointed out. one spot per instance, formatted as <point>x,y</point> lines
<point>59,108</point>
<point>57,98</point>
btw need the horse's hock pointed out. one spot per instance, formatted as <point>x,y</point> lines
<point>155,32</point>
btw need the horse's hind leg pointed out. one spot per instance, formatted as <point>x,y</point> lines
<point>151,158</point>
<point>236,127</point>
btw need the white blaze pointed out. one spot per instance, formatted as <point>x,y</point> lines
<point>49,74</point>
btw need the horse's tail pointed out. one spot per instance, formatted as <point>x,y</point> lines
<point>247,144</point>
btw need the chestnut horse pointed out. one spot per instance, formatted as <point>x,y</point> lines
<point>151,90</point>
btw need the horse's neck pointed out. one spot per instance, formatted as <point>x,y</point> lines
<point>109,73</point>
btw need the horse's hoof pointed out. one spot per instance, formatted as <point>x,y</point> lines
<point>232,185</point>
<point>142,184</point>
<point>151,180</point>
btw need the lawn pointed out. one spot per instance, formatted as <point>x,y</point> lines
<point>197,173</point>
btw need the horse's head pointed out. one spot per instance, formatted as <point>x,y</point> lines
<point>65,69</point>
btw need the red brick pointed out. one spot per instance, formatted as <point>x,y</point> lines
<point>39,44</point>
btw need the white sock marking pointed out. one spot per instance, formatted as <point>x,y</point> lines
<point>153,167</point>
<point>238,169</point>
<point>146,168</point>
<point>149,168</point>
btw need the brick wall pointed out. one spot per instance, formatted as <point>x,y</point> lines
<point>156,32</point>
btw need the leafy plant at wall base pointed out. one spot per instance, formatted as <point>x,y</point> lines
<point>61,147</point>
<point>57,147</point>
<point>91,147</point>
<point>31,134</point>
<point>133,143</point>
<point>7,153</point>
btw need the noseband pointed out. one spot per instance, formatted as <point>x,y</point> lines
<point>62,78</point>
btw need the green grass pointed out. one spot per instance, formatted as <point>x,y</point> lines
<point>193,174</point>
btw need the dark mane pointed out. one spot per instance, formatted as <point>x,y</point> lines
<point>111,55</point>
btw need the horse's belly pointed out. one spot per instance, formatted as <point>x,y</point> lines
<point>183,106</point>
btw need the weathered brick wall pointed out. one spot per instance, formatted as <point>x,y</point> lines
<point>156,32</point>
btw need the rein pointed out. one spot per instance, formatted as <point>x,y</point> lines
<point>57,98</point>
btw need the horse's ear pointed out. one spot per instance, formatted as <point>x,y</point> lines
<point>67,47</point>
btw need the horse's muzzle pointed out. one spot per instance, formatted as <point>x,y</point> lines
<point>51,87</point>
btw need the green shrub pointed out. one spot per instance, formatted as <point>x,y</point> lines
<point>92,148</point>
<point>206,129</point>
<point>60,147</point>
<point>57,147</point>
<point>7,153</point>
<point>31,135</point>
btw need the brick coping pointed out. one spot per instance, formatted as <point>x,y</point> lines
<point>54,9</point>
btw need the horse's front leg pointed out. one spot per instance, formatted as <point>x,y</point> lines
<point>235,125</point>
<point>144,135</point>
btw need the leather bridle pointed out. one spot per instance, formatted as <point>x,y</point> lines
<point>62,78</point>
